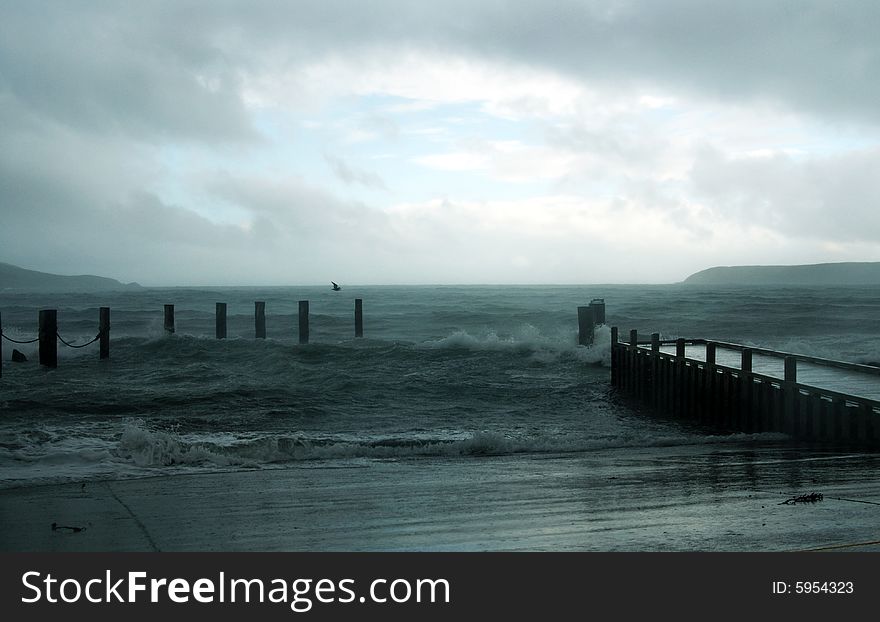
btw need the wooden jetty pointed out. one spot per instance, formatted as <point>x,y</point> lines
<point>738,398</point>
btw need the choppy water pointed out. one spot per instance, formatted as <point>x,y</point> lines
<point>443,371</point>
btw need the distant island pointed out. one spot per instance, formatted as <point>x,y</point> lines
<point>15,279</point>
<point>848,273</point>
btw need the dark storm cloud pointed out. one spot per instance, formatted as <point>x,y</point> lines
<point>91,93</point>
<point>174,67</point>
<point>113,68</point>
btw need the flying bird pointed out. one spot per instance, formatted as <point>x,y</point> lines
<point>336,288</point>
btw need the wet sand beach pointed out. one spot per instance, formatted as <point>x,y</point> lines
<point>680,498</point>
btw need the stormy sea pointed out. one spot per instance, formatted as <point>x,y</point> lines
<point>488,377</point>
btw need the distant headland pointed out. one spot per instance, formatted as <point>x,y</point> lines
<point>15,279</point>
<point>847,273</point>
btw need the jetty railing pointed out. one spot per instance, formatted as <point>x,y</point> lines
<point>741,399</point>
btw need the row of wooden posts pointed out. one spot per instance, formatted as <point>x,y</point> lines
<point>588,317</point>
<point>741,399</point>
<point>260,319</point>
<point>48,328</point>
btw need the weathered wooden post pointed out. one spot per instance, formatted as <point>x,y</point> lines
<point>598,307</point>
<point>303,321</point>
<point>634,337</point>
<point>679,348</point>
<point>104,331</point>
<point>49,338</point>
<point>747,416</point>
<point>746,364</point>
<point>586,325</point>
<point>1,345</point>
<point>358,317</point>
<point>220,320</point>
<point>789,392</point>
<point>260,319</point>
<point>655,369</point>
<point>710,388</point>
<point>614,356</point>
<point>169,318</point>
<point>678,371</point>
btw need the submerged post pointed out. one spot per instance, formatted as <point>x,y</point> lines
<point>104,331</point>
<point>586,325</point>
<point>303,321</point>
<point>260,320</point>
<point>358,317</point>
<point>220,324</point>
<point>169,318</point>
<point>49,338</point>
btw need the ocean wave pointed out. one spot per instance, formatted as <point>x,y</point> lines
<point>142,449</point>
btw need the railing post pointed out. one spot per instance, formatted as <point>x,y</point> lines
<point>49,338</point>
<point>678,373</point>
<point>747,414</point>
<point>303,321</point>
<point>746,364</point>
<point>169,318</point>
<point>790,369</point>
<point>679,348</point>
<point>260,320</point>
<point>710,353</point>
<point>104,331</point>
<point>358,317</point>
<point>789,397</point>
<point>220,323</point>
<point>586,325</point>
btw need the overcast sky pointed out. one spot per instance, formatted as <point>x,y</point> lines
<point>531,141</point>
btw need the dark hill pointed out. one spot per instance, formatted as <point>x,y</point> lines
<point>13,278</point>
<point>853,273</point>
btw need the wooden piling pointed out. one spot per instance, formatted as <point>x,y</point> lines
<point>1,345</point>
<point>598,307</point>
<point>747,414</point>
<point>169,318</point>
<point>49,338</point>
<point>358,317</point>
<point>634,337</point>
<point>790,397</point>
<point>104,331</point>
<point>614,356</point>
<point>220,320</point>
<point>260,319</point>
<point>586,325</point>
<point>655,342</point>
<point>303,321</point>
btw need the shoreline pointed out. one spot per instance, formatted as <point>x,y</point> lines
<point>715,499</point>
